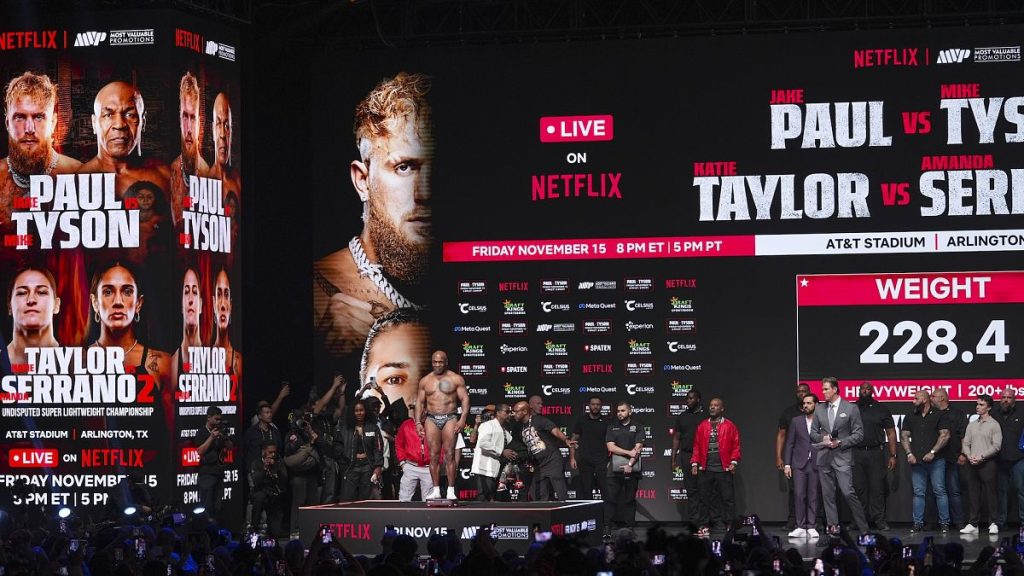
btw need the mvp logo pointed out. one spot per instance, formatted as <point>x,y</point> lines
<point>90,38</point>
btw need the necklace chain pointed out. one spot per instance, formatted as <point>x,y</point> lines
<point>375,272</point>
<point>20,180</point>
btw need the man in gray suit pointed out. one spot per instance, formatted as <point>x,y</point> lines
<point>800,459</point>
<point>836,429</point>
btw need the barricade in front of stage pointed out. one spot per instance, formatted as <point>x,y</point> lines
<point>360,525</point>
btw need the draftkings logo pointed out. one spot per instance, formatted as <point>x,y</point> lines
<point>639,348</point>
<point>515,390</point>
<point>554,349</point>
<point>472,350</point>
<point>679,389</point>
<point>514,308</point>
<point>677,304</point>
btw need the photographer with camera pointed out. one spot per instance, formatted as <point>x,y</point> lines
<point>302,451</point>
<point>269,485</point>
<point>359,451</point>
<point>212,445</point>
<point>328,411</point>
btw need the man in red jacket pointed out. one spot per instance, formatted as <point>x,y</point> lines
<point>414,458</point>
<point>716,453</point>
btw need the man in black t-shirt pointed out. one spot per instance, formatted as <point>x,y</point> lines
<point>542,437</point>
<point>591,458</point>
<point>874,456</point>
<point>682,450</point>
<point>211,441</point>
<point>624,439</point>
<point>924,434</point>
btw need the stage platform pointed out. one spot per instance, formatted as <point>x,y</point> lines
<point>360,525</point>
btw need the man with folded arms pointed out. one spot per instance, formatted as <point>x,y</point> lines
<point>979,449</point>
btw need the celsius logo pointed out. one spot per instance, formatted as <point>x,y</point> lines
<point>90,38</point>
<point>632,305</point>
<point>550,390</point>
<point>598,128</point>
<point>597,347</point>
<point>466,308</point>
<point>674,346</point>
<point>953,56</point>
<point>549,306</point>
<point>634,326</point>
<point>513,369</point>
<point>634,389</point>
<point>506,349</point>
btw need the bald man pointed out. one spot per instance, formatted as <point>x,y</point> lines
<point>441,393</point>
<point>540,436</point>
<point>119,120</point>
<point>223,130</point>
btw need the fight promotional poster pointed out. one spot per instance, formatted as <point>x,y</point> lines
<point>635,219</point>
<point>121,193</point>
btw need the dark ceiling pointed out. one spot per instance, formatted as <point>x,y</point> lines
<point>366,23</point>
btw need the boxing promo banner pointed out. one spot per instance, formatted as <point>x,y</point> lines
<point>121,196</point>
<point>633,220</point>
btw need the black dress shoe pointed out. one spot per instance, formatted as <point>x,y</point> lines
<point>883,526</point>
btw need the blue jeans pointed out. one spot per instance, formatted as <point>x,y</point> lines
<point>956,505</point>
<point>1009,470</point>
<point>923,472</point>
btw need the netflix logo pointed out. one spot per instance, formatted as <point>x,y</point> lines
<point>189,40</point>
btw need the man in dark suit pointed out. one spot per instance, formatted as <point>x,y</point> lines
<point>800,459</point>
<point>837,428</point>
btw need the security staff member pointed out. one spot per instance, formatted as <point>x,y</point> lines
<point>875,455</point>
<point>682,449</point>
<point>591,458</point>
<point>624,440</point>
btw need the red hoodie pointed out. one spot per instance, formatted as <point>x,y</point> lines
<point>409,446</point>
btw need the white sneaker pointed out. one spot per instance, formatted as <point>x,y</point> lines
<point>451,494</point>
<point>812,533</point>
<point>969,529</point>
<point>435,494</point>
<point>798,533</point>
<point>993,529</point>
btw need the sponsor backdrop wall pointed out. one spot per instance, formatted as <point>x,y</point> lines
<point>633,219</point>
<point>120,258</point>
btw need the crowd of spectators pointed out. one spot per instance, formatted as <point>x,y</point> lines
<point>174,545</point>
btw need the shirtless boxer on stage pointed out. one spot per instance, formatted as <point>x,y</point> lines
<point>441,393</point>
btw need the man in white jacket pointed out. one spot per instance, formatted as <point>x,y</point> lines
<point>491,439</point>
